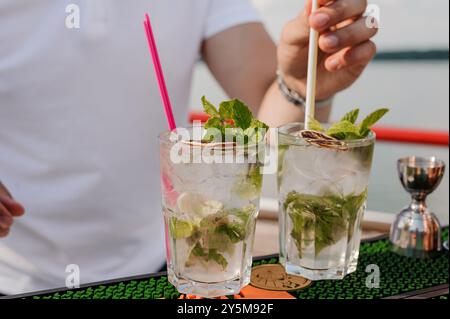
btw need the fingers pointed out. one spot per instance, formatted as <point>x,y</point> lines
<point>359,55</point>
<point>9,209</point>
<point>338,11</point>
<point>4,232</point>
<point>296,31</point>
<point>5,217</point>
<point>12,206</point>
<point>351,35</point>
<point>330,16</point>
<point>6,221</point>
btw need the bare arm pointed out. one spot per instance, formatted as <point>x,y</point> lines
<point>243,60</point>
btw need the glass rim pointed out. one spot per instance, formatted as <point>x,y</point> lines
<point>421,162</point>
<point>164,137</point>
<point>282,130</point>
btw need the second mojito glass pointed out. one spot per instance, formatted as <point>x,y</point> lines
<point>322,197</point>
<point>210,204</point>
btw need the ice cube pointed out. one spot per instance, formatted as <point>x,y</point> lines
<point>314,170</point>
<point>190,203</point>
<point>211,207</point>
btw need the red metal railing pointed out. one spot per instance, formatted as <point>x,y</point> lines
<point>384,133</point>
<point>407,135</point>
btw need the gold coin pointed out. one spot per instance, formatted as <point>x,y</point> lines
<point>274,277</point>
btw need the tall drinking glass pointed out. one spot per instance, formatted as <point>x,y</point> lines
<point>322,197</point>
<point>210,202</point>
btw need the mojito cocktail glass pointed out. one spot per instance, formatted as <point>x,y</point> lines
<point>210,202</point>
<point>322,197</point>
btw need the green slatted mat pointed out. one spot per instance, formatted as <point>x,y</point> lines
<point>397,275</point>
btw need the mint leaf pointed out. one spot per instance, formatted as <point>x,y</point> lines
<point>370,120</point>
<point>218,241</point>
<point>213,122</point>
<point>245,213</point>
<point>199,254</point>
<point>351,116</point>
<point>258,124</point>
<point>218,258</point>
<point>352,206</point>
<point>214,130</point>
<point>236,115</point>
<point>209,108</point>
<point>315,125</point>
<point>255,177</point>
<point>235,231</point>
<point>242,116</point>
<point>344,130</point>
<point>322,220</point>
<point>226,110</point>
<point>256,131</point>
<point>198,251</point>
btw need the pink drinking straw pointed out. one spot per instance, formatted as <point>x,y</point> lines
<point>159,73</point>
<point>169,114</point>
<point>162,85</point>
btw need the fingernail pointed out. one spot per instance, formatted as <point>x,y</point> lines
<point>320,19</point>
<point>330,41</point>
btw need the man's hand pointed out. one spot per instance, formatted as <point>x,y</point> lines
<point>9,209</point>
<point>344,42</point>
<point>244,59</point>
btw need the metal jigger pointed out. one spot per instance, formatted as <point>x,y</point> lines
<point>416,231</point>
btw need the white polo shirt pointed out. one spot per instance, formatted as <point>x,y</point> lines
<point>79,116</point>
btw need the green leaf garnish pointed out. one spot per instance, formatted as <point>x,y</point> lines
<point>351,116</point>
<point>315,125</point>
<point>347,129</point>
<point>233,114</point>
<point>213,122</point>
<point>226,110</point>
<point>214,129</point>
<point>344,130</point>
<point>209,108</point>
<point>242,116</point>
<point>370,120</point>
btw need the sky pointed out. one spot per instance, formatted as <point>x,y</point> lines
<point>412,24</point>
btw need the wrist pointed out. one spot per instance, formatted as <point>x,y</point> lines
<point>296,94</point>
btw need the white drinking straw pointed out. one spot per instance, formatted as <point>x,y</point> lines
<point>312,71</point>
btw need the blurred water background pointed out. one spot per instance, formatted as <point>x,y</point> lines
<point>416,91</point>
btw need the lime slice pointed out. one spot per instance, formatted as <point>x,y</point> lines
<point>190,203</point>
<point>180,228</point>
